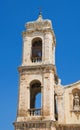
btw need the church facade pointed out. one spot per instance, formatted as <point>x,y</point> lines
<point>60,105</point>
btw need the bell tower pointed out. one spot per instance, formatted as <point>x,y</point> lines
<point>37,76</point>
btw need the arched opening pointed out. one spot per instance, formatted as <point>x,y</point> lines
<point>38,101</point>
<point>36,50</point>
<point>35,98</point>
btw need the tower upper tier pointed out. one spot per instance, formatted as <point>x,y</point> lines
<point>38,43</point>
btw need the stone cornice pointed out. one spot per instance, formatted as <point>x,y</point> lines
<point>39,24</point>
<point>31,32</point>
<point>39,68</point>
<point>72,85</point>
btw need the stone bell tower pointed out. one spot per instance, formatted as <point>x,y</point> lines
<point>37,75</point>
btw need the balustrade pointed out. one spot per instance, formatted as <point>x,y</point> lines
<point>36,59</point>
<point>34,112</point>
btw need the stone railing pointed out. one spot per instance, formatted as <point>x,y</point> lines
<point>36,59</point>
<point>34,112</point>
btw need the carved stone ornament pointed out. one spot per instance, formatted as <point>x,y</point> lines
<point>39,24</point>
<point>76,105</point>
<point>59,90</point>
<point>76,102</point>
<point>76,112</point>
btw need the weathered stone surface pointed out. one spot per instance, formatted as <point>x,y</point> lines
<point>60,105</point>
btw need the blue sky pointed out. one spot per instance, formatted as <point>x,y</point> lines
<point>65,16</point>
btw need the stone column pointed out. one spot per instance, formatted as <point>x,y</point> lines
<point>23,101</point>
<point>48,47</point>
<point>59,90</point>
<point>60,109</point>
<point>48,96</point>
<point>26,50</point>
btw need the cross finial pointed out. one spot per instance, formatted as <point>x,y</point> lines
<point>40,14</point>
<point>40,11</point>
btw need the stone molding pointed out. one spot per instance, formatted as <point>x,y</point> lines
<point>34,124</point>
<point>39,68</point>
<point>45,124</point>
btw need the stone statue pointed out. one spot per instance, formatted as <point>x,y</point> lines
<point>76,102</point>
